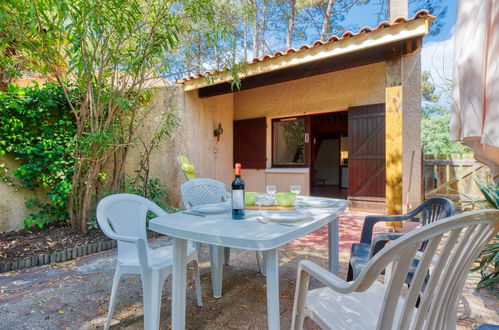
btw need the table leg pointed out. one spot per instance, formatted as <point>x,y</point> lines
<point>272,269</point>
<point>179,283</point>
<point>334,246</point>
<point>226,256</point>
<point>216,263</point>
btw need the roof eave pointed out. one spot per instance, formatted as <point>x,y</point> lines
<point>392,34</point>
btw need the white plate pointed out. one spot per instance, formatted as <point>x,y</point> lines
<point>209,208</point>
<point>317,202</point>
<point>285,216</point>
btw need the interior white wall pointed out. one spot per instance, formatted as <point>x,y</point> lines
<point>327,162</point>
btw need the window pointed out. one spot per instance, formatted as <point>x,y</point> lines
<point>290,142</point>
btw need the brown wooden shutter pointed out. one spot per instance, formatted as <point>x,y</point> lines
<point>366,151</point>
<point>250,147</point>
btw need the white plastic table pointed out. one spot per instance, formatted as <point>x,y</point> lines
<point>222,231</point>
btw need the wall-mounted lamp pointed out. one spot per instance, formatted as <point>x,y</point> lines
<point>218,131</point>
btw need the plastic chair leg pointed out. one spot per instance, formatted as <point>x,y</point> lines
<point>350,273</point>
<point>226,256</point>
<point>259,262</point>
<point>197,282</point>
<point>152,284</point>
<point>197,245</point>
<point>114,291</point>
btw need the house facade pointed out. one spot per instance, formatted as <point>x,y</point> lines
<point>341,118</point>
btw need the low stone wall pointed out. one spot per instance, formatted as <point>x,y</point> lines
<point>60,256</point>
<point>63,255</point>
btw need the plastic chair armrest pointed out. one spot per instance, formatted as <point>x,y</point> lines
<point>123,238</point>
<point>142,253</point>
<point>371,220</point>
<point>381,239</point>
<point>326,277</point>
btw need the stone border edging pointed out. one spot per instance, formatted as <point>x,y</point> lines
<point>63,255</point>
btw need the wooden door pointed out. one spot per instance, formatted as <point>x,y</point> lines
<point>366,155</point>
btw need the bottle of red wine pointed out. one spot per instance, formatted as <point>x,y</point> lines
<point>238,195</point>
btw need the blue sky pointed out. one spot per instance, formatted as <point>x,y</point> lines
<point>366,15</point>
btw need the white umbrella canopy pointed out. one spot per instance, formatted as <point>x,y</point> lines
<point>475,111</point>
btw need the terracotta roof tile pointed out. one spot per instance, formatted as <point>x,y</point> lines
<point>332,38</point>
<point>420,14</point>
<point>383,25</point>
<point>365,29</point>
<point>347,34</point>
<point>400,20</point>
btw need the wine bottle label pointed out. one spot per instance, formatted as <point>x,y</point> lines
<point>238,199</point>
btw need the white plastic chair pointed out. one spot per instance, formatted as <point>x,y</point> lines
<point>123,217</point>
<point>453,244</point>
<point>207,191</point>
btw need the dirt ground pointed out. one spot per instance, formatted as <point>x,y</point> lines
<point>75,294</point>
<point>18,245</point>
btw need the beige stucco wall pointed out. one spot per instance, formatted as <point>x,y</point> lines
<point>193,138</point>
<point>333,91</point>
<point>12,208</point>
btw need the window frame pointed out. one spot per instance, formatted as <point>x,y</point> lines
<point>306,150</point>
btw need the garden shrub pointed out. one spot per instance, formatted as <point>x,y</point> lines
<point>37,129</point>
<point>488,260</point>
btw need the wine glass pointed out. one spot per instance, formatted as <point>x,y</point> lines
<point>228,193</point>
<point>271,189</point>
<point>259,200</point>
<point>295,189</point>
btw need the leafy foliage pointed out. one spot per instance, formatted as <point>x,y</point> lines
<point>428,88</point>
<point>110,50</point>
<point>435,133</point>
<point>490,190</point>
<point>488,260</point>
<point>37,130</point>
<point>489,265</point>
<point>435,124</point>
<point>152,190</point>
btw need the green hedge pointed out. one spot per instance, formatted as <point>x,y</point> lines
<point>37,130</point>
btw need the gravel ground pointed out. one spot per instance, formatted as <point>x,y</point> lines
<point>75,294</point>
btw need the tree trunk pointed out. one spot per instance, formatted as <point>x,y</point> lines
<point>256,31</point>
<point>217,56</point>
<point>263,27</point>
<point>198,55</point>
<point>291,23</point>
<point>88,195</point>
<point>327,17</point>
<point>245,42</point>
